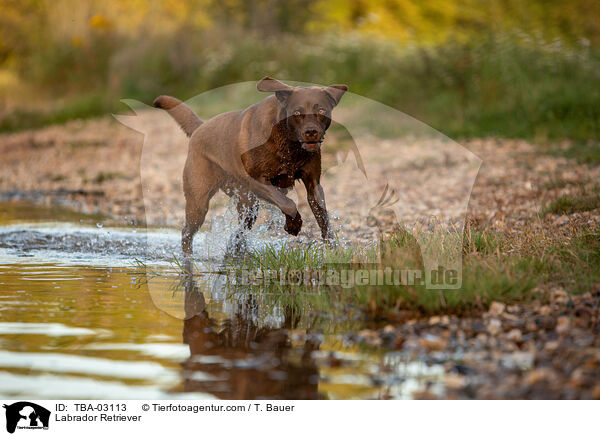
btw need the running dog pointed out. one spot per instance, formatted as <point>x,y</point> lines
<point>257,152</point>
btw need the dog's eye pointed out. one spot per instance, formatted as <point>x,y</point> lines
<point>297,113</point>
<point>322,111</point>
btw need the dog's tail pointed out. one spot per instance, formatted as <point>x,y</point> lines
<point>180,112</point>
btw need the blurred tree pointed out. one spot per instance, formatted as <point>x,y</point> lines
<point>532,63</point>
<point>24,24</point>
<point>264,17</point>
<point>20,22</point>
<point>436,20</point>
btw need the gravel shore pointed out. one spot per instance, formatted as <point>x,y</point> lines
<point>100,166</point>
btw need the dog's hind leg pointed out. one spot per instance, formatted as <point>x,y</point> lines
<point>199,186</point>
<point>195,212</point>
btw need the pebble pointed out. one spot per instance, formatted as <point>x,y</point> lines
<point>560,296</point>
<point>563,325</point>
<point>389,328</point>
<point>514,335</point>
<point>545,310</point>
<point>432,342</point>
<point>561,220</point>
<point>538,375</point>
<point>494,327</point>
<point>434,320</point>
<point>496,308</point>
<point>519,359</point>
<point>482,338</point>
<point>455,381</point>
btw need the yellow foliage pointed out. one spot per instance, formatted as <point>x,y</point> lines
<point>436,20</point>
<point>77,41</point>
<point>26,23</point>
<point>99,21</point>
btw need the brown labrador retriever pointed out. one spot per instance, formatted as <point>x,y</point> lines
<point>258,152</point>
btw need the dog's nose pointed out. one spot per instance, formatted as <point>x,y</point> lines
<point>311,134</point>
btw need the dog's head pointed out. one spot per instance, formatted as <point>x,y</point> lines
<point>307,111</point>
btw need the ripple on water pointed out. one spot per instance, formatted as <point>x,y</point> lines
<point>67,387</point>
<point>47,329</point>
<point>170,351</point>
<point>65,363</point>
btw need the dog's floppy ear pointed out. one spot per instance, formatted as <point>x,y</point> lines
<point>335,92</point>
<point>281,90</point>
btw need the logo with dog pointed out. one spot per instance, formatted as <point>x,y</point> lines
<point>25,415</point>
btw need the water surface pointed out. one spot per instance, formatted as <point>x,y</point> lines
<point>79,318</point>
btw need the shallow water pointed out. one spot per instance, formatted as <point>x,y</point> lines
<point>79,319</point>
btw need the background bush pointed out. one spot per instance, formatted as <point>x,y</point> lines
<point>474,68</point>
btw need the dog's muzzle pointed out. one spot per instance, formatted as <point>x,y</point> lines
<point>312,145</point>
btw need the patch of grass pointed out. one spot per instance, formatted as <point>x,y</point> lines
<point>303,256</point>
<point>487,276</point>
<point>80,107</point>
<point>584,152</point>
<point>400,249</point>
<point>502,267</point>
<point>481,241</point>
<point>576,263</point>
<point>568,204</point>
<point>286,257</point>
<point>83,144</point>
<point>103,177</point>
<point>484,281</point>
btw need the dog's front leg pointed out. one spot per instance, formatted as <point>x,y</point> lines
<point>316,200</point>
<point>235,167</point>
<point>293,220</point>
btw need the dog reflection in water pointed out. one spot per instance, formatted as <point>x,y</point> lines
<point>237,359</point>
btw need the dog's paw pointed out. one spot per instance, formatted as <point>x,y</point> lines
<point>293,225</point>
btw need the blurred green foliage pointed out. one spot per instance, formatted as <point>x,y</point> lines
<point>471,68</point>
